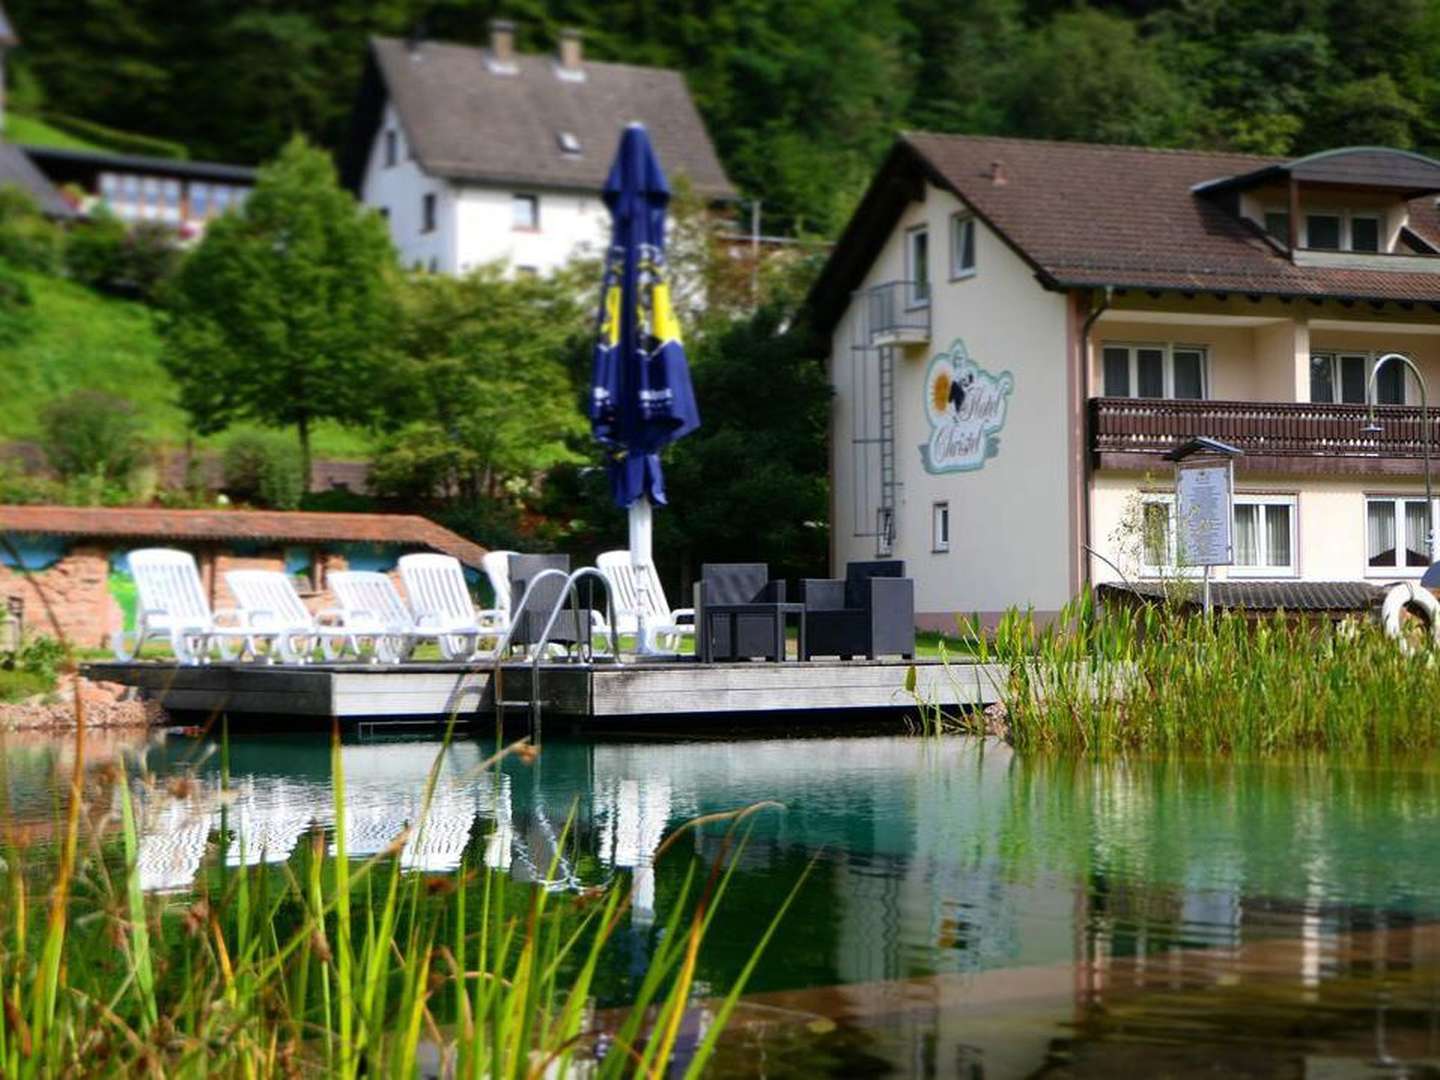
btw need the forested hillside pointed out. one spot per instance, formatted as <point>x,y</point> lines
<point>802,96</point>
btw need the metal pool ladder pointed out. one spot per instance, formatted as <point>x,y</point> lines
<point>568,593</point>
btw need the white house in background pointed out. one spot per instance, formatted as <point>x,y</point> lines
<point>1021,330</point>
<point>8,40</point>
<point>478,154</point>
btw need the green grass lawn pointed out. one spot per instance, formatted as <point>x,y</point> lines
<point>81,339</point>
<point>33,132</point>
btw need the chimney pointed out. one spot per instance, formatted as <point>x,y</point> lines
<point>997,173</point>
<point>571,53</point>
<point>502,46</point>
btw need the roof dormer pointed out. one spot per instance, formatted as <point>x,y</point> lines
<point>1344,208</point>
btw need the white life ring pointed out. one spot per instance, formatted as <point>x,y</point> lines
<point>1418,601</point>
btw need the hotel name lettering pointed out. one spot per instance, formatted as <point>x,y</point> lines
<point>966,407</point>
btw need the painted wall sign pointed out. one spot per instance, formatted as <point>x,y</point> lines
<point>966,407</point>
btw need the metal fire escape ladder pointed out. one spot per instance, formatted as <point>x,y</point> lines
<point>872,410</point>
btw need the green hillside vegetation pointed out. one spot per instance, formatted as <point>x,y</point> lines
<point>79,339</point>
<point>29,131</point>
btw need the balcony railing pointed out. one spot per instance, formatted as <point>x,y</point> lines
<point>1152,426</point>
<point>897,312</point>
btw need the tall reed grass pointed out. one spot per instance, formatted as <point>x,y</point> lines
<point>1159,678</point>
<point>324,965</point>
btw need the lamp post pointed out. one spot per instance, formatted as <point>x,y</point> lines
<point>1432,573</point>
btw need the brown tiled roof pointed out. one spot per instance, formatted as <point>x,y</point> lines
<point>1086,215</point>
<point>464,121</point>
<point>1319,597</point>
<point>284,526</point>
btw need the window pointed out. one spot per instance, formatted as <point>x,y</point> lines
<point>527,271</point>
<point>199,201</point>
<point>1322,231</point>
<point>1264,535</point>
<point>1343,377</point>
<point>427,212</point>
<point>525,212</point>
<point>1157,535</point>
<point>392,150</point>
<point>940,527</point>
<point>962,245</point>
<point>1395,534</point>
<point>917,266</point>
<point>1154,371</point>
<point>1364,233</point>
<point>384,212</point>
<point>1329,230</point>
<point>1277,224</point>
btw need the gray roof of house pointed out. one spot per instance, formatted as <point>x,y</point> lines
<point>465,121</point>
<point>1317,597</point>
<point>7,30</point>
<point>17,168</point>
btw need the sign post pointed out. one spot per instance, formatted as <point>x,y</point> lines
<point>1205,505</point>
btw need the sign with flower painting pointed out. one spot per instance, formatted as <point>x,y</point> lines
<point>966,407</point>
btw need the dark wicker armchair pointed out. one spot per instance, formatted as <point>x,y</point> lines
<point>753,623</point>
<point>870,613</point>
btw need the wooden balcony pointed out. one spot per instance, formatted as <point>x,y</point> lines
<point>1277,436</point>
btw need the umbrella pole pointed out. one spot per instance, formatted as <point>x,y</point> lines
<point>642,528</point>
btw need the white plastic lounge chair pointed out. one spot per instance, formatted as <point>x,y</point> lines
<point>638,589</point>
<point>270,606</point>
<point>372,618</point>
<point>435,586</point>
<point>496,565</point>
<point>172,606</point>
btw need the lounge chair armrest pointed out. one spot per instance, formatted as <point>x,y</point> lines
<point>428,620</point>
<point>234,615</point>
<point>682,615</point>
<point>257,615</point>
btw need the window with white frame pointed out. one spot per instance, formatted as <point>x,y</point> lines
<point>940,527</point>
<point>525,213</point>
<point>392,153</point>
<point>917,266</point>
<point>427,212</point>
<point>1264,536</point>
<point>1395,535</point>
<point>1329,230</point>
<point>962,245</point>
<point>1154,371</point>
<point>1343,378</point>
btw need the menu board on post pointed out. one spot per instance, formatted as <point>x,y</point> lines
<point>1204,509</point>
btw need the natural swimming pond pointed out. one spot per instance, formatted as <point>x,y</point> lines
<point>968,911</point>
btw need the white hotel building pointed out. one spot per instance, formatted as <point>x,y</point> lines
<point>1020,330</point>
<point>480,154</point>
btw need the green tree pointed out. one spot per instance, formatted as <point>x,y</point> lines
<point>89,435</point>
<point>752,481</point>
<point>484,386</point>
<point>282,314</point>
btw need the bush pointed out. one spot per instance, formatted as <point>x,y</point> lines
<point>30,669</point>
<point>132,262</point>
<point>28,239</point>
<point>264,468</point>
<point>92,436</point>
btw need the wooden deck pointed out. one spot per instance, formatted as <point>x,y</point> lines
<point>579,691</point>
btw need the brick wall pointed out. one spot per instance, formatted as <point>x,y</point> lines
<point>77,595</point>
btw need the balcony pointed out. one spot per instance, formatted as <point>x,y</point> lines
<point>897,313</point>
<point>1284,437</point>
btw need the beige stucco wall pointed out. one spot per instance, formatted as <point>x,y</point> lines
<point>1329,527</point>
<point>1010,540</point>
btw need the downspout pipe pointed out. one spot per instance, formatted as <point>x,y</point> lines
<point>1083,360</point>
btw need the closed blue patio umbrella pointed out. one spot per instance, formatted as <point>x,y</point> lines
<point>641,398</point>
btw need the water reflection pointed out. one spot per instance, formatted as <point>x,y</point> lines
<point>967,910</point>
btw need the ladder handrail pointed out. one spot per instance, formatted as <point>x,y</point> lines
<point>518,609</point>
<point>570,593</point>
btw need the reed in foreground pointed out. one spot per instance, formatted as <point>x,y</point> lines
<point>1158,678</point>
<point>329,966</point>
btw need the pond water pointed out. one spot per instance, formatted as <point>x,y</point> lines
<point>967,911</point>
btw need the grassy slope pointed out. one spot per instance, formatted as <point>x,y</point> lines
<point>83,339</point>
<point>28,130</point>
